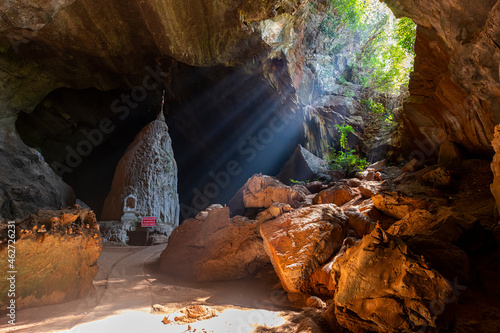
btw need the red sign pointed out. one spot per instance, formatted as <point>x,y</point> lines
<point>149,221</point>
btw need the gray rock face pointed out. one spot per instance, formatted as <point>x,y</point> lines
<point>27,183</point>
<point>303,165</point>
<point>148,171</point>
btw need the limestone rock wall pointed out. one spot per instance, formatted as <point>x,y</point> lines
<point>27,183</point>
<point>455,89</point>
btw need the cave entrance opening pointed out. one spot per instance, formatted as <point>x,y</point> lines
<point>367,59</point>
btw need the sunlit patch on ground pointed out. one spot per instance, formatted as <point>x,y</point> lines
<point>229,321</point>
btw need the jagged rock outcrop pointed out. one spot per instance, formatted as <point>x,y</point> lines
<point>300,241</point>
<point>201,33</point>
<point>399,294</point>
<point>27,183</point>
<point>303,165</point>
<point>213,247</point>
<point>149,172</point>
<point>55,257</point>
<point>397,204</point>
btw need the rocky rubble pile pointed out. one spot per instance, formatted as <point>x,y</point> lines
<point>387,251</point>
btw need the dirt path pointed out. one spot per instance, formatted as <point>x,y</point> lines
<point>129,283</point>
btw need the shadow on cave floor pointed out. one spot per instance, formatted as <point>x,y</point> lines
<point>261,292</point>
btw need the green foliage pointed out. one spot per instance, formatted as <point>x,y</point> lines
<point>329,25</point>
<point>406,34</point>
<point>293,181</point>
<point>344,130</point>
<point>312,7</point>
<point>384,65</point>
<point>378,108</point>
<point>386,56</point>
<point>346,159</point>
<point>347,13</point>
<point>389,120</point>
<point>375,107</point>
<point>336,49</point>
<point>351,13</point>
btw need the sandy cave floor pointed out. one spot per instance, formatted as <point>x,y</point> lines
<point>129,284</point>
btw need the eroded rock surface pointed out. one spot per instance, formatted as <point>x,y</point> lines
<point>213,246</point>
<point>439,177</point>
<point>300,241</point>
<point>263,191</point>
<point>455,86</point>
<point>445,224</point>
<point>56,256</point>
<point>382,287</point>
<point>337,195</point>
<point>27,183</point>
<point>303,165</point>
<point>397,205</point>
<point>495,167</point>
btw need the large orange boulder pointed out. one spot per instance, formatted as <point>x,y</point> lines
<point>213,246</point>
<point>398,205</point>
<point>337,195</point>
<point>262,191</point>
<point>300,241</point>
<point>382,287</point>
<point>55,257</point>
<point>359,222</point>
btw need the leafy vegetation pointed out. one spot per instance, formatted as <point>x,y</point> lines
<point>374,107</point>
<point>378,108</point>
<point>386,57</point>
<point>346,159</point>
<point>406,34</point>
<point>349,94</point>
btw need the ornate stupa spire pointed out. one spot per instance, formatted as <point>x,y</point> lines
<point>161,116</point>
